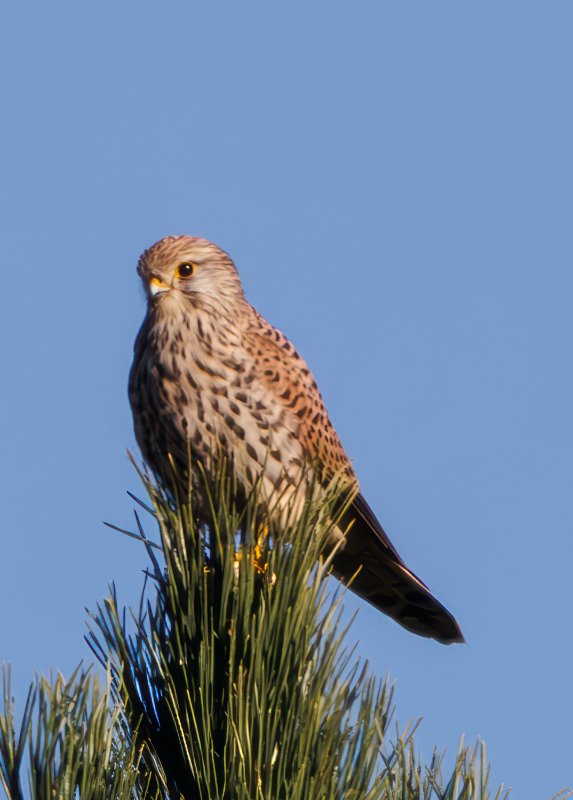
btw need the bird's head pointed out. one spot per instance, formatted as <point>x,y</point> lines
<point>186,266</point>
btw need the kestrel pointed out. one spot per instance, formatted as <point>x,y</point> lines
<point>211,375</point>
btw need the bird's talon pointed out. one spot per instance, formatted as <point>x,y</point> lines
<point>258,560</point>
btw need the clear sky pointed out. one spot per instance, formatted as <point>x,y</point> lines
<point>394,181</point>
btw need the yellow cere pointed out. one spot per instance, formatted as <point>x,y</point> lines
<point>155,286</point>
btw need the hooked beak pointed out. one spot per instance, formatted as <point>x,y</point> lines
<point>156,286</point>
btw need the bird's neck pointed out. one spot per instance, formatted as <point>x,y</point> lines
<point>200,328</point>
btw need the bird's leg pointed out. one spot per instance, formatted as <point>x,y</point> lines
<point>259,551</point>
<point>260,548</point>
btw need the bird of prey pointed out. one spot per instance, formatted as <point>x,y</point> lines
<point>210,374</point>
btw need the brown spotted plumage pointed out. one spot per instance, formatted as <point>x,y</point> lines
<point>211,376</point>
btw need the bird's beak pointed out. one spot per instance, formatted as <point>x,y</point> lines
<point>156,286</point>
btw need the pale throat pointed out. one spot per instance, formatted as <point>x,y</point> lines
<point>197,325</point>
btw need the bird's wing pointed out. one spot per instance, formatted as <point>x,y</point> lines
<point>368,559</point>
<point>288,379</point>
<point>377,574</point>
<point>364,515</point>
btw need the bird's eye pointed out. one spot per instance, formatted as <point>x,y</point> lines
<point>185,270</point>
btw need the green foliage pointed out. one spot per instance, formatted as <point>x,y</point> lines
<point>70,740</point>
<point>236,670</point>
<point>230,682</point>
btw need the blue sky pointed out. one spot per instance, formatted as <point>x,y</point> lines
<point>394,181</point>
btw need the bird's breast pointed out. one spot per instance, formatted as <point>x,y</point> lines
<point>206,396</point>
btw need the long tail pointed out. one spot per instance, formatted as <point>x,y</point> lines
<point>382,578</point>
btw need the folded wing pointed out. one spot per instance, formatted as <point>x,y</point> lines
<point>380,576</point>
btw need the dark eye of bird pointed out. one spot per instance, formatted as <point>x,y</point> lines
<point>185,270</point>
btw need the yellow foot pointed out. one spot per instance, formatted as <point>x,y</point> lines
<point>259,563</point>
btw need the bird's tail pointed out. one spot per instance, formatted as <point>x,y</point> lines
<point>377,573</point>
